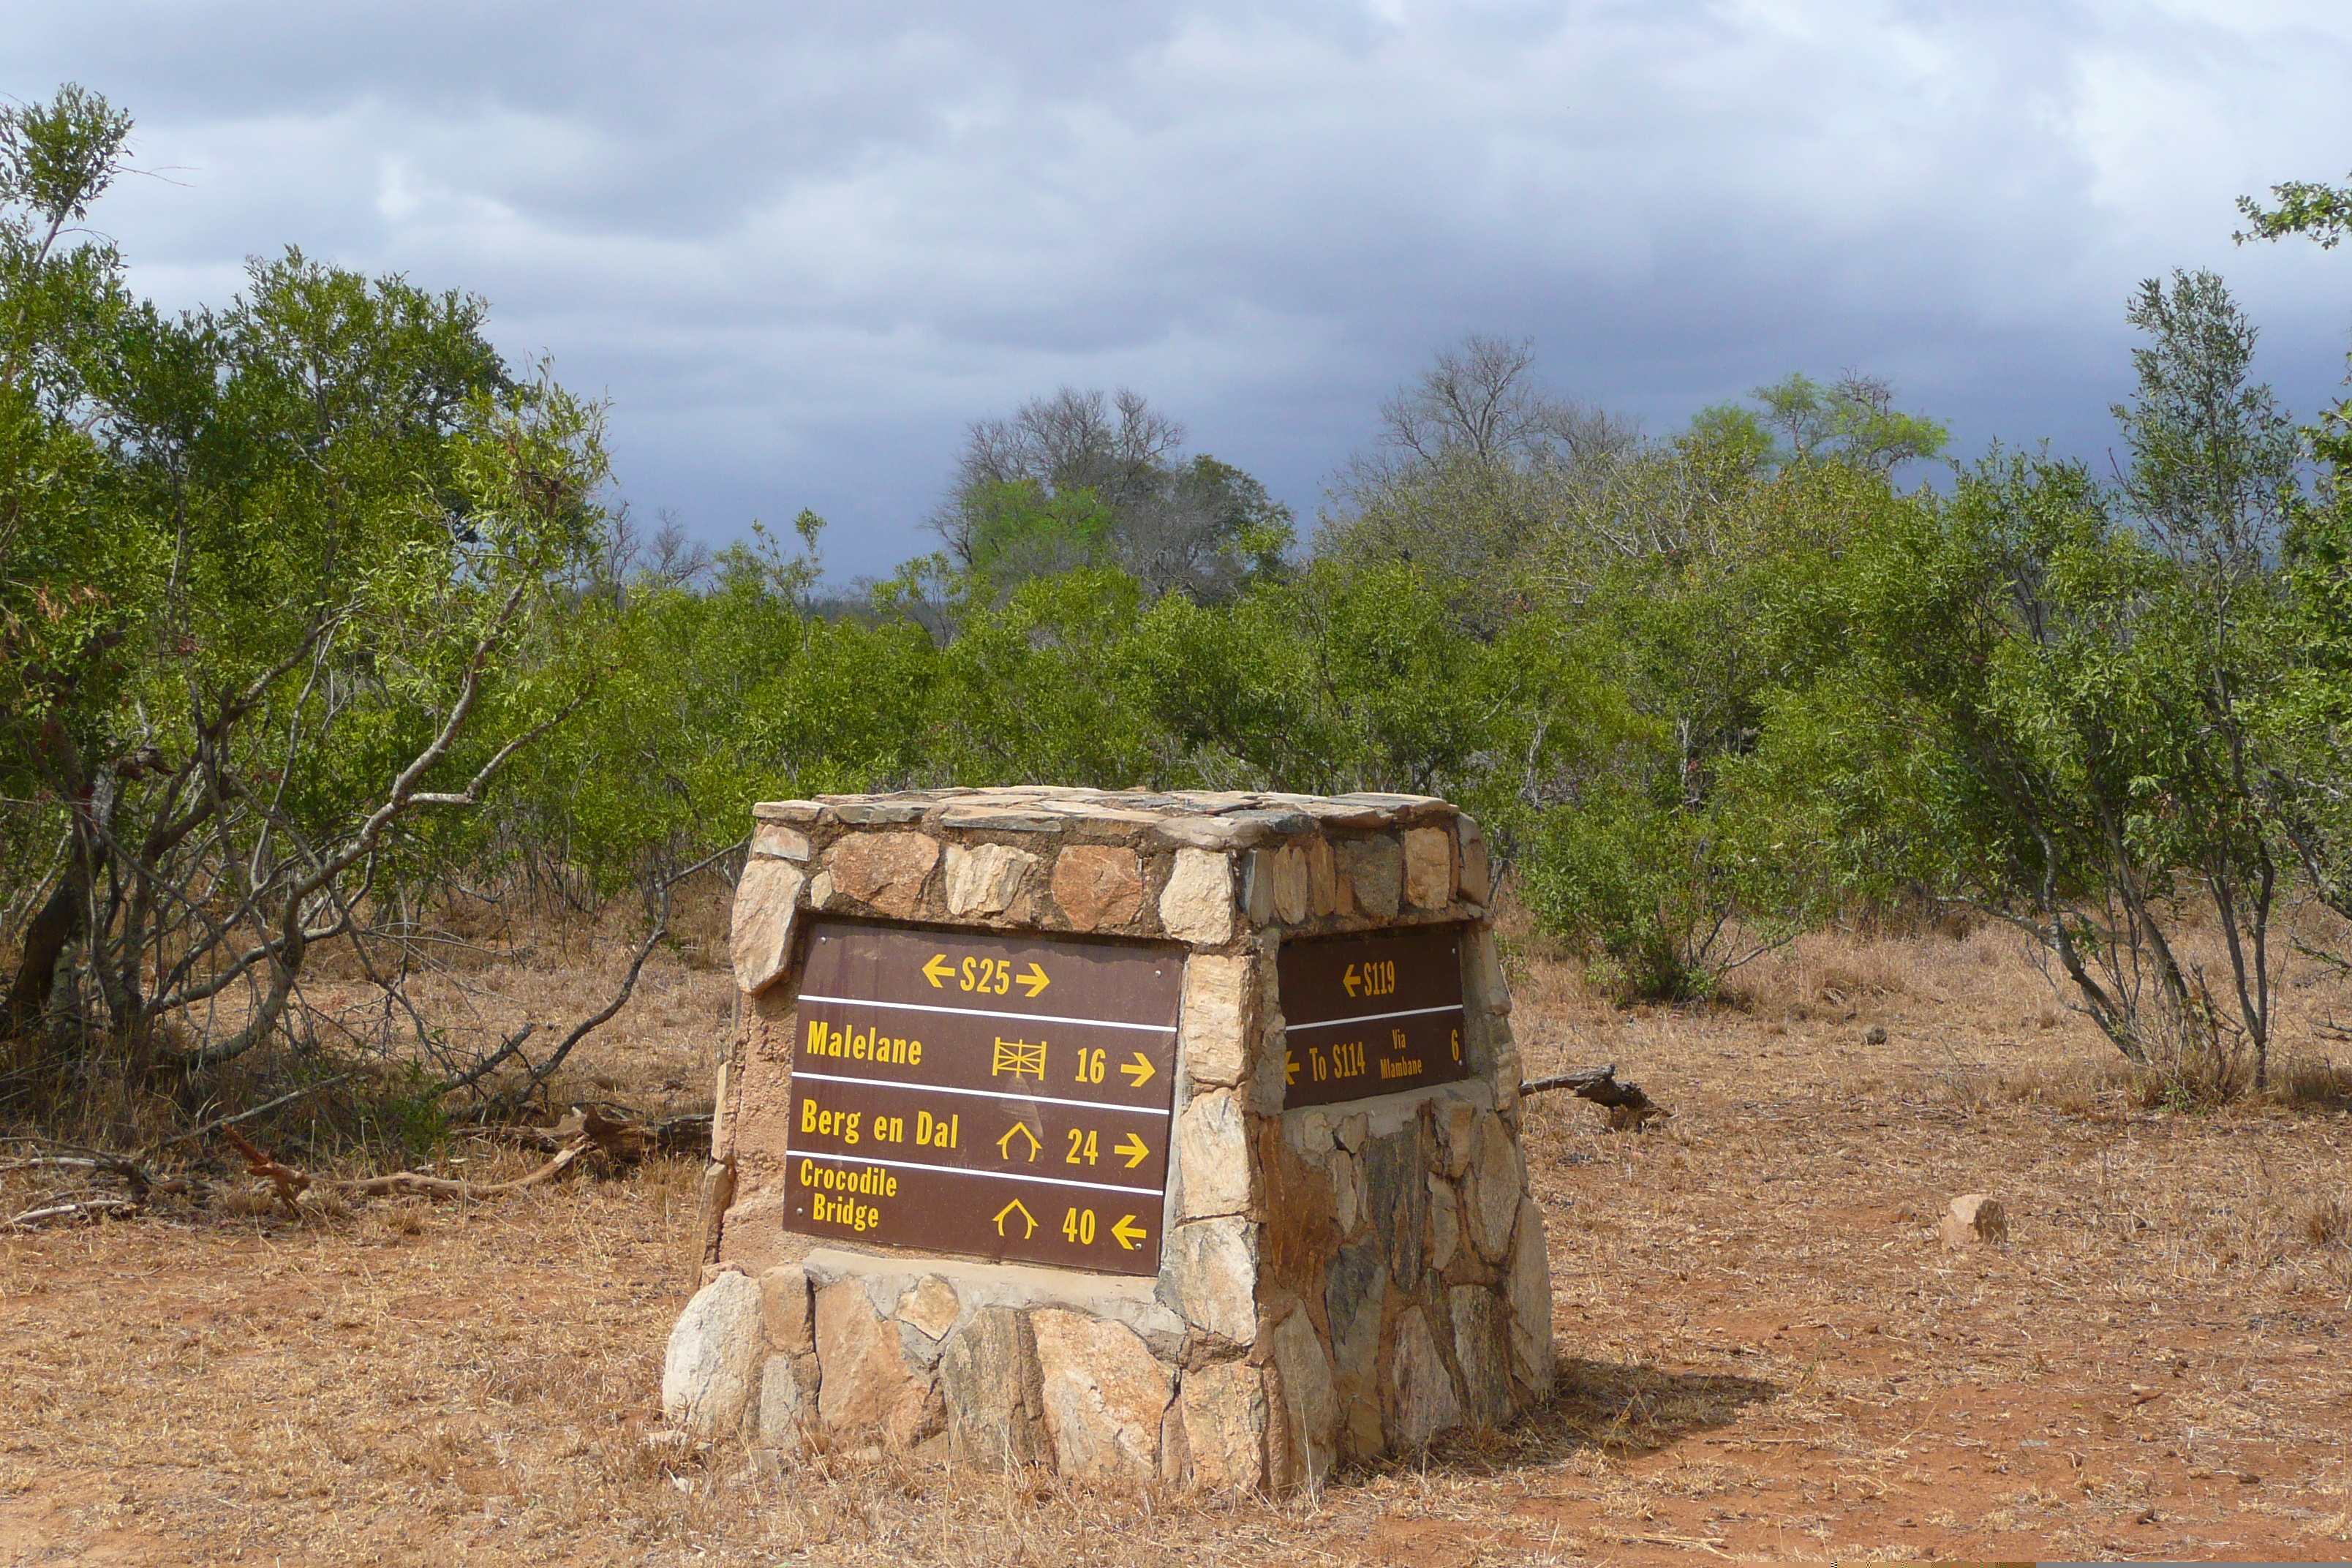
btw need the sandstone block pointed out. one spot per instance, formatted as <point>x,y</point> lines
<point>1973,1217</point>
<point>1197,905</point>
<point>1532,1361</point>
<point>1457,1135</point>
<point>1208,1277</point>
<point>1105,1395</point>
<point>1422,1402</point>
<point>986,879</point>
<point>1215,1026</point>
<point>714,1357</point>
<point>1355,1296</point>
<point>1484,988</point>
<point>874,813</point>
<point>1212,1155</point>
<point>777,1420</point>
<point>1396,1191</point>
<point>1428,867</point>
<point>885,871</point>
<point>1347,1190</point>
<point>775,841</point>
<point>1475,873</point>
<point>931,1305</point>
<point>1375,869</point>
<point>1494,1185</point>
<point>760,939</point>
<point>985,821</point>
<point>1099,885</point>
<point>784,1311</point>
<point>1224,1412</point>
<point>1444,1222</point>
<point>869,1384</point>
<point>1310,1409</point>
<point>995,1404</point>
<point>820,889</point>
<point>1482,1351</point>
<point>1276,885</point>
<point>1327,889</point>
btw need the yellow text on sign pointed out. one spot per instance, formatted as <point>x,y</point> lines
<point>1085,1148</point>
<point>985,976</point>
<point>1079,1225</point>
<point>1376,979</point>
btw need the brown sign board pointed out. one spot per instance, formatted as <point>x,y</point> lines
<point>998,1097</point>
<point>1372,1015</point>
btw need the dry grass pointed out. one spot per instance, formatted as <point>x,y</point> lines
<point>1765,1352</point>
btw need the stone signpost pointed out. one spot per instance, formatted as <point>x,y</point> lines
<point>1166,1136</point>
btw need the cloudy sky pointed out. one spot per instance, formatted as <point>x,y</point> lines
<point>799,246</point>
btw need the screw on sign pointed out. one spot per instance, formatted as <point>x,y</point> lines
<point>1000,1097</point>
<point>1371,1014</point>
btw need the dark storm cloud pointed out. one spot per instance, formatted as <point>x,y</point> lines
<point>801,246</point>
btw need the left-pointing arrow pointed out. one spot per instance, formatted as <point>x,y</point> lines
<point>1129,1233</point>
<point>938,969</point>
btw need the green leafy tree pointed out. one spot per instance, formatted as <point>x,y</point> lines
<point>1850,420</point>
<point>2321,211</point>
<point>327,600</point>
<point>1080,479</point>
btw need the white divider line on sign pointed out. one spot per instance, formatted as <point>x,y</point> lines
<point>966,1171</point>
<point>982,1094</point>
<point>983,1013</point>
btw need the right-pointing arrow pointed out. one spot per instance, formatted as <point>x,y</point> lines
<point>1136,1150</point>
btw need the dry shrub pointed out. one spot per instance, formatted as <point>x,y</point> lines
<point>2328,1222</point>
<point>2306,1084</point>
<point>1832,968</point>
<point>2193,1070</point>
<point>2094,1086</point>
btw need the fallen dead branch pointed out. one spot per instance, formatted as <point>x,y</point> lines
<point>627,1139</point>
<point>85,1202</point>
<point>76,1205</point>
<point>292,1183</point>
<point>1627,1106</point>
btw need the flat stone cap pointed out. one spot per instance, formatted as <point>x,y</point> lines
<point>1224,819</point>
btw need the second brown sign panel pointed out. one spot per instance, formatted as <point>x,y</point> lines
<point>1372,1015</point>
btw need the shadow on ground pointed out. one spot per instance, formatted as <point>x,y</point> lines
<point>1625,1411</point>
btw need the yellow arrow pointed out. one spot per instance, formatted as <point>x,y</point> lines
<point>1009,1208</point>
<point>1139,1070</point>
<point>1135,1149</point>
<point>1003,1144</point>
<point>1348,981</point>
<point>1290,1067</point>
<point>1129,1233</point>
<point>938,969</point>
<point>1034,980</point>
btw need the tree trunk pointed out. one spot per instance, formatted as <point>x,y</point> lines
<point>47,936</point>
